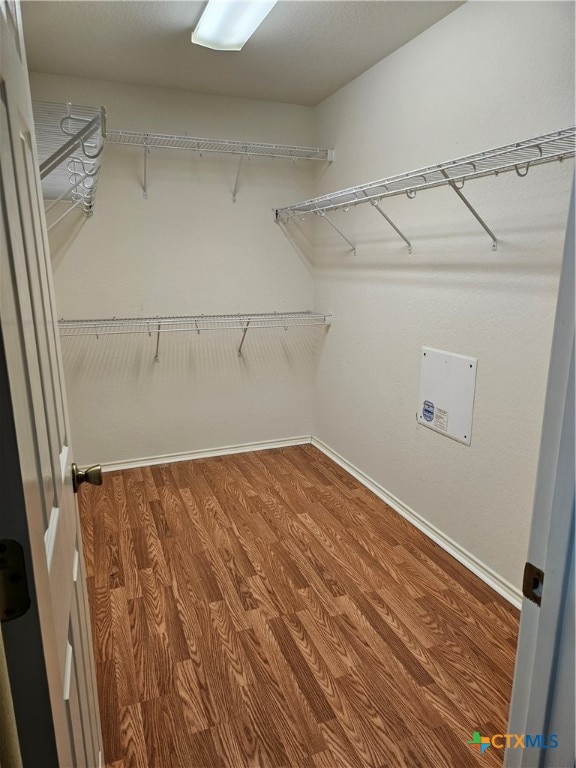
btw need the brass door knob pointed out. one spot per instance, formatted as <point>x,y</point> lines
<point>92,475</point>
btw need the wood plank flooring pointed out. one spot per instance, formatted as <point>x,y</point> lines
<point>264,609</point>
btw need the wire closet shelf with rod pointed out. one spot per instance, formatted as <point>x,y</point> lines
<point>192,324</point>
<point>70,140</point>
<point>244,150</point>
<point>519,157</point>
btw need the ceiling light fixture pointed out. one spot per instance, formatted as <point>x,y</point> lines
<point>226,25</point>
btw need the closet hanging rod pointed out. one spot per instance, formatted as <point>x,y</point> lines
<point>519,157</point>
<point>191,323</point>
<point>74,143</point>
<point>222,146</point>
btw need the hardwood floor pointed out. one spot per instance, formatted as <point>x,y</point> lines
<point>264,609</point>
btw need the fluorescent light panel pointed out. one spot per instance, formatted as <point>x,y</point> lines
<point>226,25</point>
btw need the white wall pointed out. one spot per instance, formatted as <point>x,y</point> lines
<point>187,249</point>
<point>488,74</point>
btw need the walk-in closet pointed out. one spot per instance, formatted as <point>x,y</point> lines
<point>286,339</point>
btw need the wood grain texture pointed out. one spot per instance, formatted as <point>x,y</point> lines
<point>265,609</point>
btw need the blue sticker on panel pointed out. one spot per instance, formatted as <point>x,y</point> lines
<point>428,410</point>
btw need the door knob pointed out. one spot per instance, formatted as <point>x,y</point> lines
<point>92,475</point>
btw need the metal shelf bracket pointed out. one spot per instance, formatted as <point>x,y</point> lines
<point>156,355</point>
<point>334,227</point>
<point>145,182</point>
<point>243,337</point>
<point>235,190</point>
<point>468,204</point>
<point>376,205</point>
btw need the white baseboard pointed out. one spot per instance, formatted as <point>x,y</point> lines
<point>498,584</point>
<point>490,577</point>
<point>169,458</point>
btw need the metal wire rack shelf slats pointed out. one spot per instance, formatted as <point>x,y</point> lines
<point>191,324</point>
<point>518,157</point>
<point>243,149</point>
<point>69,139</point>
<point>163,141</point>
<point>544,149</point>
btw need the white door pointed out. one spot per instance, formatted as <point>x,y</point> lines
<point>543,693</point>
<point>49,647</point>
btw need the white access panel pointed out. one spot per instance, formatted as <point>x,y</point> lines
<point>447,387</point>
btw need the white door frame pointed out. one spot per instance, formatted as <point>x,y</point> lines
<point>27,672</point>
<point>545,660</point>
<point>46,637</point>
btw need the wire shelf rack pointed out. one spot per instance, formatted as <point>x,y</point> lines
<point>69,139</point>
<point>191,324</point>
<point>517,157</point>
<point>255,149</point>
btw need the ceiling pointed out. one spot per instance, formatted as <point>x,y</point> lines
<point>304,51</point>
